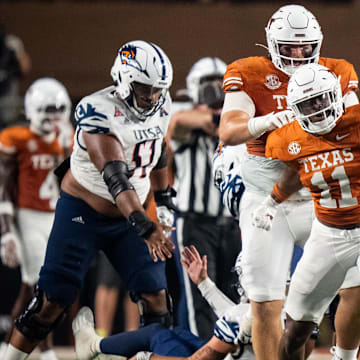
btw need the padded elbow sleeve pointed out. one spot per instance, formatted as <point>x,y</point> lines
<point>116,176</point>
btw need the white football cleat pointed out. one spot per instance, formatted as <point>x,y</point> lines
<point>87,341</point>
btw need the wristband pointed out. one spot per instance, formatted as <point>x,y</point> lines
<point>258,125</point>
<point>143,225</point>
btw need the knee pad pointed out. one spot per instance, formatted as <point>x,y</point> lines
<point>28,323</point>
<point>166,319</point>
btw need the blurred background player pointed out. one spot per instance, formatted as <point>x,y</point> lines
<point>118,154</point>
<point>15,62</point>
<point>255,103</point>
<point>29,189</point>
<point>202,221</point>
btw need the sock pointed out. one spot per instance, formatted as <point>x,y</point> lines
<point>102,332</point>
<point>129,343</point>
<point>48,355</point>
<point>14,354</point>
<point>345,354</point>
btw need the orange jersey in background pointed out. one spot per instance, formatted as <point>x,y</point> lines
<point>267,86</point>
<point>328,165</point>
<point>37,186</point>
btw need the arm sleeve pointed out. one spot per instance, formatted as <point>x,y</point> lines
<point>218,301</point>
<point>239,100</point>
<point>350,99</point>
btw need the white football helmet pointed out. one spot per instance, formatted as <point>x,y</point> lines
<point>206,68</point>
<point>47,105</point>
<point>293,25</point>
<point>140,62</point>
<point>315,96</point>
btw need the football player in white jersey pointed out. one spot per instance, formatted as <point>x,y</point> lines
<point>255,103</point>
<point>119,151</point>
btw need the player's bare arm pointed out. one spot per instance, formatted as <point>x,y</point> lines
<point>238,123</point>
<point>233,127</point>
<point>288,183</point>
<point>104,149</point>
<point>214,349</point>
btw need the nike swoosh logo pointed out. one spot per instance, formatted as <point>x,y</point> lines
<point>338,137</point>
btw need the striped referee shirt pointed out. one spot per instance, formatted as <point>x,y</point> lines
<point>196,192</point>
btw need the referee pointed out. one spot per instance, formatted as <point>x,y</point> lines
<point>202,220</point>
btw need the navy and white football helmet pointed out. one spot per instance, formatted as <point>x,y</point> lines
<point>315,96</point>
<point>293,25</point>
<point>142,67</point>
<point>47,105</point>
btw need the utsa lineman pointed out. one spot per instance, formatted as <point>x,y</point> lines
<point>119,152</point>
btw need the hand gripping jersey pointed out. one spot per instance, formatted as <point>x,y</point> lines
<point>102,112</point>
<point>267,87</point>
<point>37,187</point>
<point>328,165</point>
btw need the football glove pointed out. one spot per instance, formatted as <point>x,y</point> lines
<point>227,328</point>
<point>280,119</point>
<point>245,328</point>
<point>165,208</point>
<point>218,165</point>
<point>232,189</point>
<point>263,215</point>
<point>143,355</point>
<point>10,249</point>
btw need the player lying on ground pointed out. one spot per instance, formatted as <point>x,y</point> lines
<point>231,332</point>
